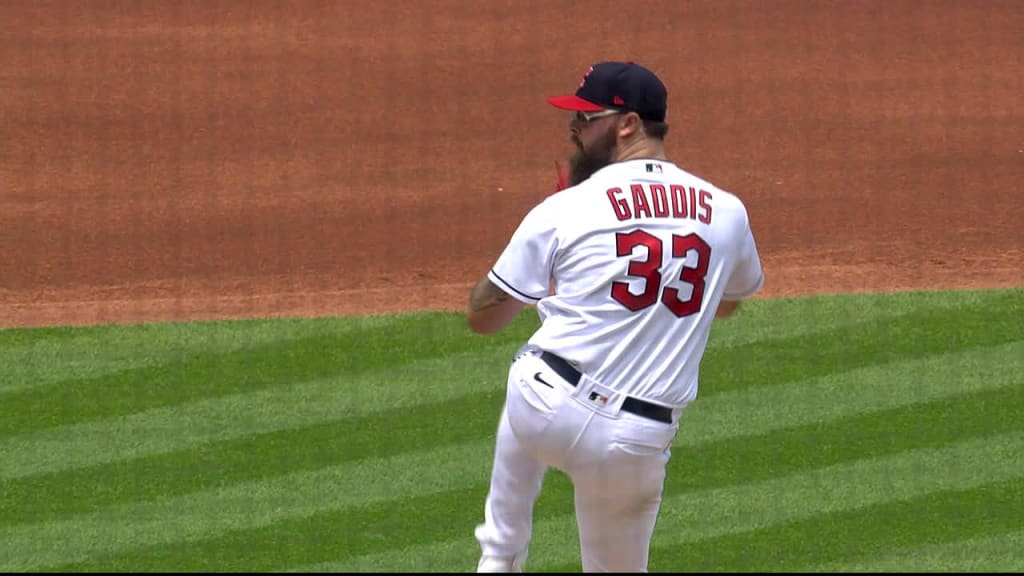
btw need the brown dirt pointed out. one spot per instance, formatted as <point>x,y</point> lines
<point>167,159</point>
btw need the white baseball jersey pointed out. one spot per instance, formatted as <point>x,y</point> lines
<point>640,254</point>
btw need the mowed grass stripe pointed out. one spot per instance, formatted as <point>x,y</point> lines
<point>954,513</point>
<point>284,498</point>
<point>729,425</point>
<point>385,507</point>
<point>759,320</point>
<point>744,458</point>
<point>920,334</point>
<point>692,517</point>
<point>250,458</point>
<point>404,388</point>
<point>281,407</point>
<point>949,514</point>
<point>998,553</point>
<point>708,465</point>
<point>123,343</point>
<point>249,505</point>
<point>877,387</point>
<point>337,350</point>
<point>203,375</point>
<point>41,357</point>
<point>787,452</point>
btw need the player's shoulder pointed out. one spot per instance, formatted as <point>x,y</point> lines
<point>729,201</point>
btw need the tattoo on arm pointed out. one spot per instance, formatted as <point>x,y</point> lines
<point>486,295</point>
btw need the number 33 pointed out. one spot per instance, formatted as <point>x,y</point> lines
<point>649,269</point>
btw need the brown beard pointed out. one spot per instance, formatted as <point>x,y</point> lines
<point>584,163</point>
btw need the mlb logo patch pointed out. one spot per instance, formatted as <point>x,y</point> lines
<point>595,397</point>
<point>654,168</point>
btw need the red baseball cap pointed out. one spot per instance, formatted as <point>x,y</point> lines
<point>619,85</point>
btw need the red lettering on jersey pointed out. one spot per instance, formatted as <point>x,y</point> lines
<point>640,205</point>
<point>619,205</point>
<point>705,198</point>
<point>653,200</point>
<point>660,200</point>
<point>678,201</point>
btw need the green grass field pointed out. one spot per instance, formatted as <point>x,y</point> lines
<point>853,433</point>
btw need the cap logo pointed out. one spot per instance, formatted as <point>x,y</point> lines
<point>618,101</point>
<point>584,79</point>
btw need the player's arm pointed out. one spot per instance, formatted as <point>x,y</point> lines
<point>520,277</point>
<point>726,308</point>
<point>746,278</point>
<point>491,308</point>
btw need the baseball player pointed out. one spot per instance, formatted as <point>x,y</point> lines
<point>627,267</point>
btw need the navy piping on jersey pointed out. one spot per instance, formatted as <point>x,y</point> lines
<point>513,288</point>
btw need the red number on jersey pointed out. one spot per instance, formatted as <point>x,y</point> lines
<point>649,269</point>
<point>646,268</point>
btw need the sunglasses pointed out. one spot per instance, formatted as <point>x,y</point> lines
<point>588,117</point>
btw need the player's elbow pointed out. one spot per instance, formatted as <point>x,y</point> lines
<point>494,318</point>
<point>476,325</point>
<point>482,323</point>
<point>727,308</point>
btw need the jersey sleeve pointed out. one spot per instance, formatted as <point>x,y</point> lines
<point>747,277</point>
<point>523,269</point>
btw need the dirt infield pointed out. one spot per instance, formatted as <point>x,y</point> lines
<point>169,160</point>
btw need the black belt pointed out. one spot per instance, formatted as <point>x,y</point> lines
<point>630,404</point>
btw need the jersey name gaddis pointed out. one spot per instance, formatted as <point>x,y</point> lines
<point>660,201</point>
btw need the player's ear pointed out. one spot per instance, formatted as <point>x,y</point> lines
<point>630,124</point>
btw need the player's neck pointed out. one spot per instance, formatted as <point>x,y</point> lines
<point>641,148</point>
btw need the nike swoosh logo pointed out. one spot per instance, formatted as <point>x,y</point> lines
<point>541,380</point>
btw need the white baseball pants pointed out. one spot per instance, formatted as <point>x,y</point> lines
<point>616,461</point>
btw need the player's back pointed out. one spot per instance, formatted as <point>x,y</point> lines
<point>641,255</point>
